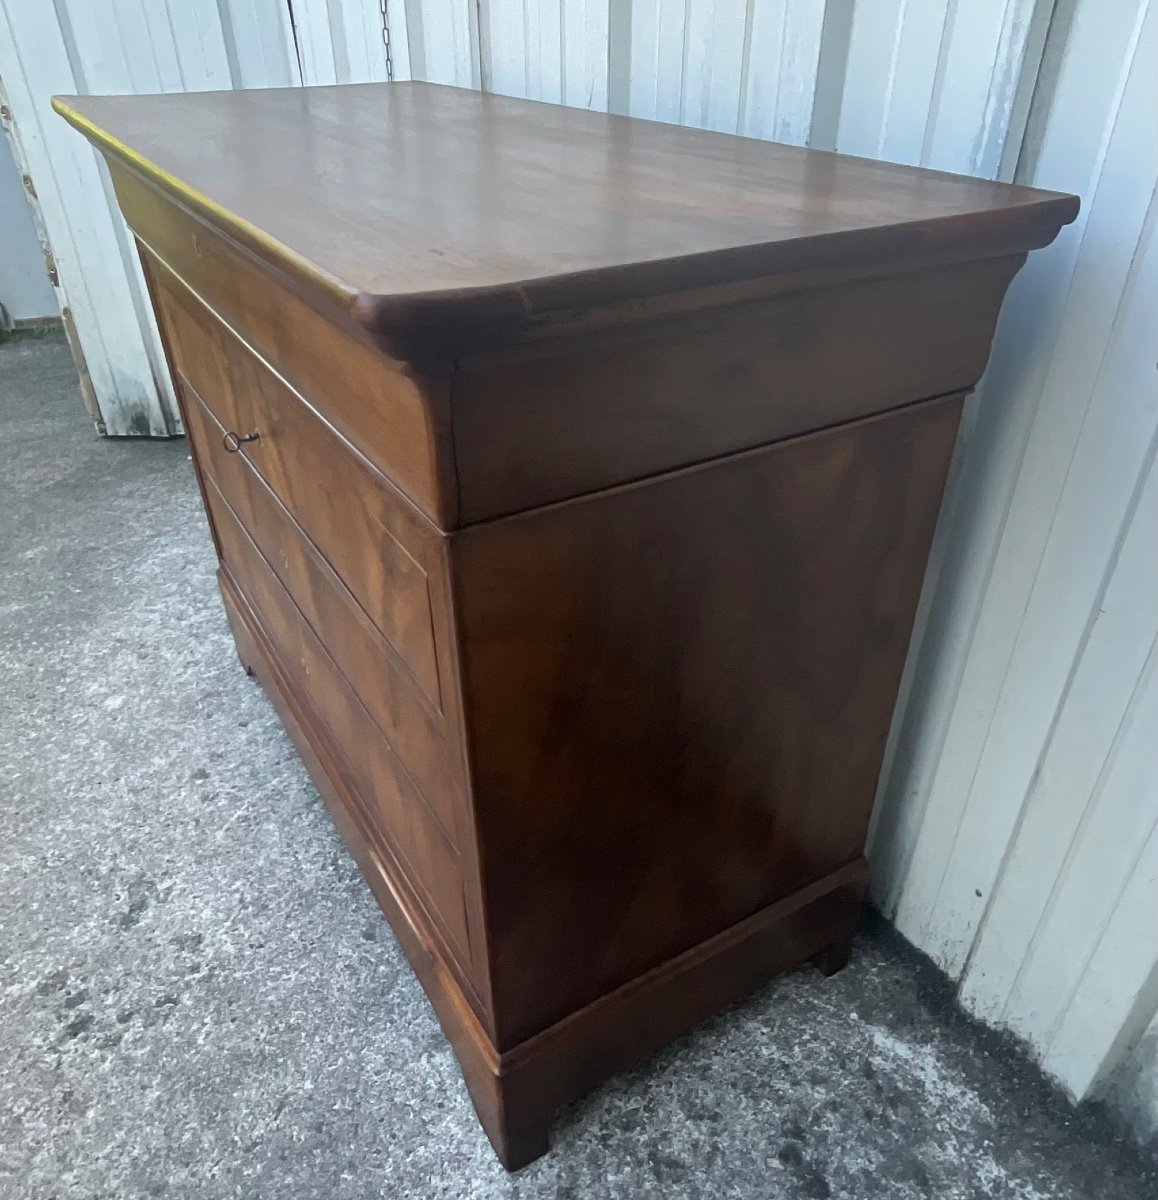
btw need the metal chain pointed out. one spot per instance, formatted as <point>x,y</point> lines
<point>386,39</point>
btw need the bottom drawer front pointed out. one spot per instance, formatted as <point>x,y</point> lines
<point>378,777</point>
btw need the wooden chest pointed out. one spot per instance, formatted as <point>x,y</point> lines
<point>572,479</point>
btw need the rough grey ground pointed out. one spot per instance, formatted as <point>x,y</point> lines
<point>199,998</point>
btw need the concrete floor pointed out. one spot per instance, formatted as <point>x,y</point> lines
<point>199,998</point>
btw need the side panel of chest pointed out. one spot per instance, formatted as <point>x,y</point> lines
<point>678,695</point>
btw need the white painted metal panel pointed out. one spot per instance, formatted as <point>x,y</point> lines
<point>780,80</point>
<point>980,69</point>
<point>314,38</point>
<point>746,66</point>
<point>714,36</point>
<point>1018,812</point>
<point>510,48</point>
<point>937,83</point>
<point>1053,338</point>
<point>88,242</point>
<point>443,39</point>
<point>741,66</point>
<point>258,36</point>
<point>1118,990</point>
<point>120,46</point>
<point>341,41</point>
<point>1135,1090</point>
<point>1090,810</point>
<point>954,680</point>
<point>586,51</point>
<point>893,55</point>
<point>655,59</point>
<point>1097,431</point>
<point>553,50</point>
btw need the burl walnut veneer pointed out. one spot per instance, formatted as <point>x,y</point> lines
<point>572,479</point>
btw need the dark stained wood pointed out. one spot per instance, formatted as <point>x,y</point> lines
<point>397,416</point>
<point>578,548</point>
<point>514,1092</point>
<point>333,493</point>
<point>627,1025</point>
<point>449,990</point>
<point>688,788</point>
<point>588,412</point>
<point>378,780</point>
<point>429,747</point>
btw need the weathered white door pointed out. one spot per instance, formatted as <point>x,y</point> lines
<point>25,292</point>
<point>118,46</point>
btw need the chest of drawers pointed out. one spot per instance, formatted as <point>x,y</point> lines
<point>572,480</point>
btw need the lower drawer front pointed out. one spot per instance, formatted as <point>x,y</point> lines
<point>421,737</point>
<point>379,779</point>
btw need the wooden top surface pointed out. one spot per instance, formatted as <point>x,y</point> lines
<point>412,201</point>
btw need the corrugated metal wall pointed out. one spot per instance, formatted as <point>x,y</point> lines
<point>1015,839</point>
<point>1018,835</point>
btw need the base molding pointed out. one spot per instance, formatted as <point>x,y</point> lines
<point>516,1092</point>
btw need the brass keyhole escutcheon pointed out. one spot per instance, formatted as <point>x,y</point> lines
<point>234,441</point>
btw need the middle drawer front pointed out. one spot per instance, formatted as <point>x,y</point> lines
<point>373,540</point>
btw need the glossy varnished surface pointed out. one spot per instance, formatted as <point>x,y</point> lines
<point>581,414</point>
<point>680,695</point>
<point>396,416</point>
<point>414,201</point>
<point>375,542</point>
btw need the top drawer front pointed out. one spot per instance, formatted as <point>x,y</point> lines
<point>585,413</point>
<point>392,416</point>
<point>367,535</point>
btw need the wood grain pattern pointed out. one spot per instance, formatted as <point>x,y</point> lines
<point>512,1092</point>
<point>379,780</point>
<point>428,746</point>
<point>336,496</point>
<point>498,210</point>
<point>396,415</point>
<point>588,412</point>
<point>653,798</point>
<point>595,469</point>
